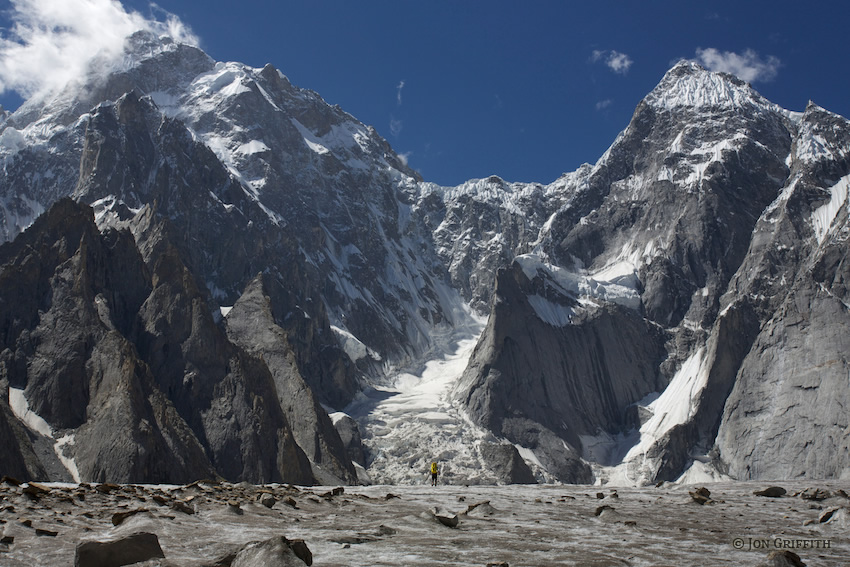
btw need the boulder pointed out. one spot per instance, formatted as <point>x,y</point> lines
<point>505,461</point>
<point>274,552</point>
<point>784,558</point>
<point>134,548</point>
<point>446,518</point>
<point>815,494</point>
<point>602,509</point>
<point>701,495</point>
<point>481,509</point>
<point>771,492</point>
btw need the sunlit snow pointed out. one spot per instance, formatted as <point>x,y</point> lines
<point>412,422</point>
<point>620,287</point>
<point>823,216</point>
<point>20,408</point>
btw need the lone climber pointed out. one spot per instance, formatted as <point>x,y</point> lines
<point>434,473</point>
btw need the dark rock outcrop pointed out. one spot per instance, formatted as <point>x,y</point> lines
<point>537,383</point>
<point>134,548</point>
<point>252,324</point>
<point>274,552</point>
<point>349,434</point>
<point>771,492</point>
<point>504,460</point>
<point>126,362</point>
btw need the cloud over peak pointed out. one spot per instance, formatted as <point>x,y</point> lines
<point>614,60</point>
<point>52,43</point>
<point>749,65</point>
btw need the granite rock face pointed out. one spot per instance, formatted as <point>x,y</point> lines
<point>535,381</point>
<point>506,462</point>
<point>254,257</point>
<point>709,241</point>
<point>252,324</point>
<point>125,368</point>
<point>796,372</point>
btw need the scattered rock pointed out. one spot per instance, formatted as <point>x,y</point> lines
<point>106,487</point>
<point>827,515</point>
<point>600,495</point>
<point>181,506</point>
<point>45,533</point>
<point>603,508</point>
<point>355,539</point>
<point>10,481</point>
<point>119,517</point>
<point>480,509</point>
<point>501,564</point>
<point>290,501</point>
<point>445,518</point>
<point>784,558</point>
<point>140,546</point>
<point>385,531</point>
<point>839,516</point>
<point>816,494</point>
<point>159,499</point>
<point>268,501</point>
<point>701,495</point>
<point>7,540</point>
<point>34,489</point>
<point>390,496</point>
<point>771,492</point>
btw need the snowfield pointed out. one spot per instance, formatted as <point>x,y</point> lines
<point>412,422</point>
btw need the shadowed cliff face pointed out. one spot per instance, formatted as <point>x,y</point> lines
<point>548,381</point>
<point>124,363</point>
<point>251,325</point>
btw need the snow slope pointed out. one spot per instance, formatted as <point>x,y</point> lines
<point>410,423</point>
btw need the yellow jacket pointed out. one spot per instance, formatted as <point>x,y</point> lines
<point>433,468</point>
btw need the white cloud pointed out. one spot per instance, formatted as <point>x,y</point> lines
<point>616,61</point>
<point>749,65</point>
<point>398,91</point>
<point>405,157</point>
<point>603,104</point>
<point>52,42</point>
<point>396,126</point>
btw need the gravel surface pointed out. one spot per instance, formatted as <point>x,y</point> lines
<point>201,523</point>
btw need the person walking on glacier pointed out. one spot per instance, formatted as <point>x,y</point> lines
<point>434,472</point>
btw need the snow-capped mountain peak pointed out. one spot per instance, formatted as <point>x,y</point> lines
<point>689,85</point>
<point>646,276</point>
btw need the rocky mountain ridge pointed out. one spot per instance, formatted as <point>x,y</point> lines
<point>643,310</point>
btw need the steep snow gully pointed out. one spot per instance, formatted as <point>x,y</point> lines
<point>412,420</point>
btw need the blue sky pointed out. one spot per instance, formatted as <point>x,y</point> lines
<point>523,90</point>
